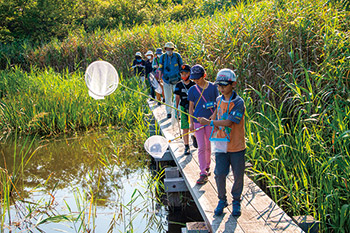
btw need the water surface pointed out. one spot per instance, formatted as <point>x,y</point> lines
<point>97,182</point>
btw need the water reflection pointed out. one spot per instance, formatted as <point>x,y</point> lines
<point>109,170</point>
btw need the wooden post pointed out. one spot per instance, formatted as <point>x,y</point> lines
<point>173,185</point>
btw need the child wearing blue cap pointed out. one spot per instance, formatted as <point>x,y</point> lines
<point>202,98</point>
<point>229,121</point>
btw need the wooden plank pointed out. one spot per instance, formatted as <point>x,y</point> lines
<point>274,216</point>
<point>259,212</point>
<point>249,215</point>
<point>196,227</point>
<point>172,172</point>
<point>205,203</point>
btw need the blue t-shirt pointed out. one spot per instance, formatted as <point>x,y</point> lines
<point>169,65</point>
<point>203,108</point>
<point>235,113</point>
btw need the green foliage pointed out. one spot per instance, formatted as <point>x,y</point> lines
<point>40,20</point>
<point>49,103</point>
<point>299,148</point>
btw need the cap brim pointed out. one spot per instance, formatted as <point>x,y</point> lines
<point>196,76</point>
<point>225,83</point>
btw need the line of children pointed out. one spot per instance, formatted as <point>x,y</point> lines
<point>223,115</point>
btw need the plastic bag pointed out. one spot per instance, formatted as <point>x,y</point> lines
<point>218,144</point>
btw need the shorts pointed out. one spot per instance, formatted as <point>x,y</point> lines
<point>184,119</point>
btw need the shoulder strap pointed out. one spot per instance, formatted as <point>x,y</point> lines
<point>201,96</point>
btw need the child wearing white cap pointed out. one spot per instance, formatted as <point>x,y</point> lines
<point>149,69</point>
<point>138,65</point>
<point>230,140</point>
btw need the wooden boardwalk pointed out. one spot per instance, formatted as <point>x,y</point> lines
<point>259,212</point>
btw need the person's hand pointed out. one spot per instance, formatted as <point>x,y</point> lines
<point>203,121</point>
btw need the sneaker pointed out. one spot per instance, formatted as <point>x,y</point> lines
<point>202,179</point>
<point>208,171</point>
<point>236,208</point>
<point>187,150</point>
<point>194,141</point>
<point>169,115</point>
<point>220,208</point>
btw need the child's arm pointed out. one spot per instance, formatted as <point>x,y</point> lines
<point>177,101</point>
<point>205,121</point>
<point>190,110</point>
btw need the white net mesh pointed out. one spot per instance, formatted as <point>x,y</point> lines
<point>155,84</point>
<point>101,78</point>
<point>156,146</point>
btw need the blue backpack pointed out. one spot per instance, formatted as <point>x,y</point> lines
<point>175,78</point>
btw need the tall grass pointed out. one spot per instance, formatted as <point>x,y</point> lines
<point>258,39</point>
<point>48,103</point>
<point>299,147</point>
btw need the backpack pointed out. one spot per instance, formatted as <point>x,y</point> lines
<point>175,78</point>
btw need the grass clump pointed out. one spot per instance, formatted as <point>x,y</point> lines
<point>48,103</point>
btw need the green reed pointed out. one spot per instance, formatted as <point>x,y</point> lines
<point>298,143</point>
<point>259,39</point>
<point>46,102</point>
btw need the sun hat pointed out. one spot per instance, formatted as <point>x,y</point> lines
<point>185,68</point>
<point>159,51</point>
<point>197,71</point>
<point>225,77</point>
<point>138,54</point>
<point>169,45</point>
<point>149,52</point>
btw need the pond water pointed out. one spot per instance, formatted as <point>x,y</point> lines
<point>92,183</point>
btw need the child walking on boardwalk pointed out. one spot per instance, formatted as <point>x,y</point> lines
<point>138,65</point>
<point>181,92</point>
<point>149,69</point>
<point>155,66</point>
<point>202,98</point>
<point>229,122</point>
